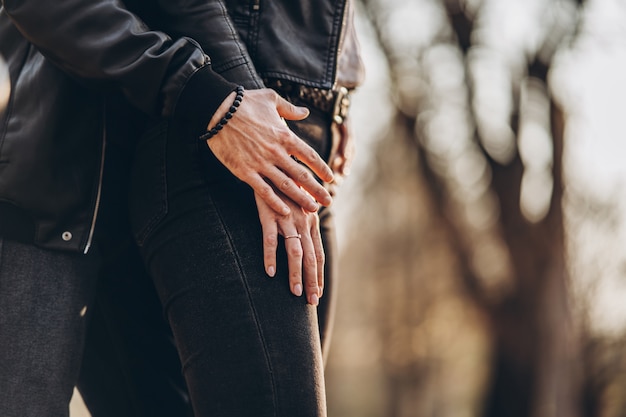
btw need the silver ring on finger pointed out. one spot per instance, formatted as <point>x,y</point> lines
<point>297,236</point>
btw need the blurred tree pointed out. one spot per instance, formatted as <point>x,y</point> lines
<point>467,197</point>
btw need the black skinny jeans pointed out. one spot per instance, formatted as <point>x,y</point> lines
<point>248,347</point>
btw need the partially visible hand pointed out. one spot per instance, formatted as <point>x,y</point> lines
<point>341,160</point>
<point>342,155</point>
<point>305,255</point>
<point>257,147</point>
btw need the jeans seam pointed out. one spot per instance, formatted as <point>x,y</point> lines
<point>254,312</point>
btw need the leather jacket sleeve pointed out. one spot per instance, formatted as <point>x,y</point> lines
<point>209,23</point>
<point>101,42</point>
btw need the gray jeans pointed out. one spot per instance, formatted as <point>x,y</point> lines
<point>44,299</point>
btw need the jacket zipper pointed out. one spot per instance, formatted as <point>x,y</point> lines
<point>342,38</point>
<point>99,193</point>
<point>256,5</point>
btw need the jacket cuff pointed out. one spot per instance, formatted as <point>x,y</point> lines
<point>199,99</point>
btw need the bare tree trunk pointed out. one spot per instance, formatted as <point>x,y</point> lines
<point>535,349</point>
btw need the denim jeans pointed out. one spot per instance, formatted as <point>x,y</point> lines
<point>130,365</point>
<point>44,298</point>
<point>47,304</point>
<point>247,346</point>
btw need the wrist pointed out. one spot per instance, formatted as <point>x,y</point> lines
<point>227,109</point>
<point>202,95</point>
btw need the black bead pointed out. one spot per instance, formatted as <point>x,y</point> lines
<point>229,115</point>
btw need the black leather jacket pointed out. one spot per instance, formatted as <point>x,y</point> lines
<point>168,58</point>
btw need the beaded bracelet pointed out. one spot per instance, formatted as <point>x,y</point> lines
<point>229,115</point>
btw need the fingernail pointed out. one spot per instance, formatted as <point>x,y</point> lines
<point>315,300</point>
<point>328,201</point>
<point>271,271</point>
<point>297,290</point>
<point>286,211</point>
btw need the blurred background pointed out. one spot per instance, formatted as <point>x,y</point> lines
<point>483,264</point>
<point>483,268</point>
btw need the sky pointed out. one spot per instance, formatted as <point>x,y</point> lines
<point>592,81</point>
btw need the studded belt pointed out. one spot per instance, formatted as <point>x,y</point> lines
<point>335,101</point>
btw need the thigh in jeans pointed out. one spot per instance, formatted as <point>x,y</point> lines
<point>130,367</point>
<point>247,345</point>
<point>44,297</point>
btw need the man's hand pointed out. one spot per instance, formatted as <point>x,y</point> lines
<point>257,147</point>
<point>303,243</point>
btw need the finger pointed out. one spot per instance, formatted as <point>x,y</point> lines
<point>303,178</point>
<point>309,269</point>
<point>290,111</point>
<point>348,160</point>
<point>346,148</point>
<point>310,158</point>
<point>336,164</point>
<point>344,131</point>
<point>286,185</point>
<point>270,243</point>
<point>294,262</point>
<point>320,257</point>
<point>341,167</point>
<point>346,167</point>
<point>267,193</point>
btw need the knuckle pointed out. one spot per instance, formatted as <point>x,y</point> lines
<point>272,148</point>
<point>272,94</point>
<point>321,258</point>
<point>265,190</point>
<point>285,184</point>
<point>271,241</point>
<point>302,176</point>
<point>283,134</point>
<point>312,155</point>
<point>277,133</point>
<point>310,261</point>
<point>295,251</point>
